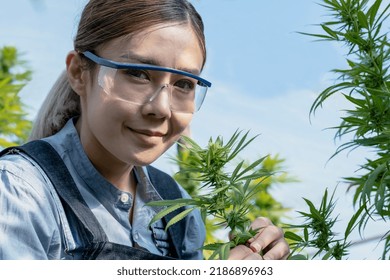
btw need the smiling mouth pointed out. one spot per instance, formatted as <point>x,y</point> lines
<point>148,132</point>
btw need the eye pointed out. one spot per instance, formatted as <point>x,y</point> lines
<point>186,85</point>
<point>139,74</point>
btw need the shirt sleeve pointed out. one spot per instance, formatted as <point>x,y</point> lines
<point>28,226</point>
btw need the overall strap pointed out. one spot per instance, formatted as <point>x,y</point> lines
<point>54,167</point>
<point>168,189</point>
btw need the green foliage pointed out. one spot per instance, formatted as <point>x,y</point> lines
<point>226,190</point>
<point>316,231</point>
<point>14,125</point>
<point>263,203</point>
<point>188,180</point>
<point>364,83</point>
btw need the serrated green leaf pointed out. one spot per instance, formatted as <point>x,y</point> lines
<point>224,251</point>
<point>166,211</point>
<point>356,101</point>
<point>352,222</point>
<point>236,170</point>
<point>373,10</point>
<point>362,19</point>
<point>306,234</point>
<point>212,246</point>
<point>162,203</point>
<point>333,34</point>
<point>367,188</point>
<point>252,166</point>
<point>298,257</point>
<point>214,255</point>
<point>179,217</point>
<point>293,236</point>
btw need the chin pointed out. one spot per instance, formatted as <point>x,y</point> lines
<point>144,159</point>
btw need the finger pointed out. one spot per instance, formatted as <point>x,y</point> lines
<point>253,256</point>
<point>259,224</point>
<point>279,251</point>
<point>239,252</point>
<point>266,237</point>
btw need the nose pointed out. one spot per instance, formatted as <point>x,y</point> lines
<point>157,93</point>
<point>159,103</point>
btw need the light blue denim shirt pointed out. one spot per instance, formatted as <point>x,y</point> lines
<point>33,223</point>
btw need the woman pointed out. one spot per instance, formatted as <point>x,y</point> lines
<point>129,91</point>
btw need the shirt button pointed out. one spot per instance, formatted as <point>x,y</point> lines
<point>136,235</point>
<point>124,197</point>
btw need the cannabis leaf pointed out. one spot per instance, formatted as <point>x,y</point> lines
<point>223,195</point>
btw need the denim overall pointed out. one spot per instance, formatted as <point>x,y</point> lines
<point>96,244</point>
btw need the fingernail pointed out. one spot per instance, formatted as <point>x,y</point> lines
<point>255,247</point>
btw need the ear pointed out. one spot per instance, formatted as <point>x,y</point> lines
<point>77,73</point>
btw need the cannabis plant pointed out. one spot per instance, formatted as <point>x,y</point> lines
<point>264,204</point>
<point>226,189</point>
<point>316,232</point>
<point>365,84</point>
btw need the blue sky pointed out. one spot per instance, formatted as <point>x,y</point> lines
<point>265,77</point>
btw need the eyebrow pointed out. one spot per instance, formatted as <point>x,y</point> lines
<point>134,58</point>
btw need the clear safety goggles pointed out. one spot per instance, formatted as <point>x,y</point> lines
<point>139,84</point>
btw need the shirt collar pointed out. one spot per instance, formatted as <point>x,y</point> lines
<point>103,190</point>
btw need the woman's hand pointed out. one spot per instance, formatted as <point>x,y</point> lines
<point>267,244</point>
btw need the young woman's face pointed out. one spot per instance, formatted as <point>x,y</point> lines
<point>114,130</point>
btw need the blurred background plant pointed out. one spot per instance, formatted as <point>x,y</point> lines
<point>14,124</point>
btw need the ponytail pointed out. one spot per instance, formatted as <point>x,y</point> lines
<point>61,104</point>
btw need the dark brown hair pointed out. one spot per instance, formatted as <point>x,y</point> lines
<point>102,20</point>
